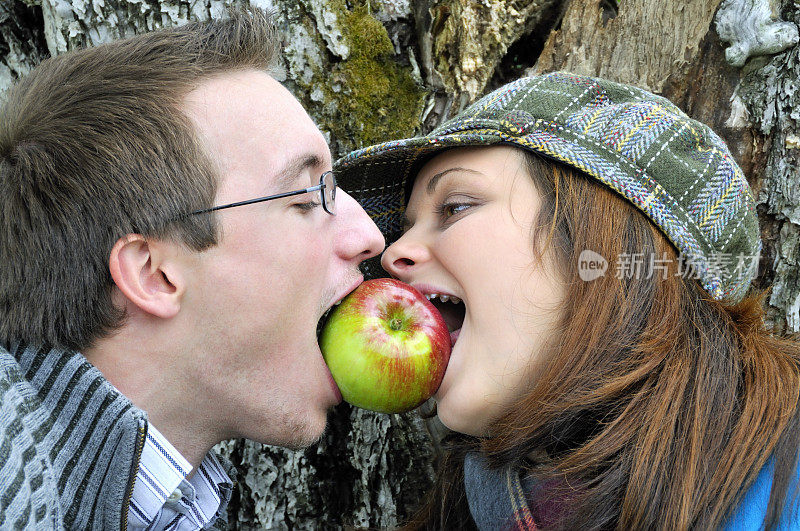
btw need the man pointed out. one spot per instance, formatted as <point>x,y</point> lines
<point>198,323</point>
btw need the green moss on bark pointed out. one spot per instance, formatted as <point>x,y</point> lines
<point>374,97</point>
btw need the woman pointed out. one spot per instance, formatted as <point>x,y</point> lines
<point>592,249</point>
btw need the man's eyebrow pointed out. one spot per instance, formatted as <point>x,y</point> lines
<point>287,176</point>
<point>436,178</point>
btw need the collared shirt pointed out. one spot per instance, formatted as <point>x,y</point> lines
<point>162,496</point>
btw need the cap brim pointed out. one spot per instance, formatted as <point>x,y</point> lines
<point>379,176</point>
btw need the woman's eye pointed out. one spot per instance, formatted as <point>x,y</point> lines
<point>448,210</point>
<point>455,209</point>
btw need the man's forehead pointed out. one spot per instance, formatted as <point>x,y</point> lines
<point>248,118</point>
<point>246,99</point>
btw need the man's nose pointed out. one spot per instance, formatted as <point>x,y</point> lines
<point>358,238</point>
<point>405,256</point>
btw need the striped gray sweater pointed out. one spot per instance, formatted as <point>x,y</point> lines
<point>69,443</point>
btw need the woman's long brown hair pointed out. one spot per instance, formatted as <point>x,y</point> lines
<point>658,405</point>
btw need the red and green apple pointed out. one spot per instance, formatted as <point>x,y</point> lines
<point>386,346</point>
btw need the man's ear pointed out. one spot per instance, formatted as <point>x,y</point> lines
<point>142,272</point>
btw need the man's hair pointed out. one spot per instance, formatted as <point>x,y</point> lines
<point>94,145</point>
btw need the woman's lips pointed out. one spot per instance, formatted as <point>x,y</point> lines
<point>454,336</point>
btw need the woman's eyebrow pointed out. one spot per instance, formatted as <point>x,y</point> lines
<point>431,187</point>
<point>436,178</point>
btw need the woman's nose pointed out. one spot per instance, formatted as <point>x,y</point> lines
<point>405,256</point>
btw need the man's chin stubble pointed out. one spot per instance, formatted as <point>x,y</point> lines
<point>303,435</point>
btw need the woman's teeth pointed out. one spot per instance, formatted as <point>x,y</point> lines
<point>443,298</point>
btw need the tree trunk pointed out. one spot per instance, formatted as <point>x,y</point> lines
<point>380,69</point>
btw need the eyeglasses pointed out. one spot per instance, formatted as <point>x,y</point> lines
<point>327,194</point>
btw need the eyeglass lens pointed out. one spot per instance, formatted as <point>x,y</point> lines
<point>329,192</point>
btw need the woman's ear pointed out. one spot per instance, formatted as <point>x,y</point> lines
<point>145,275</point>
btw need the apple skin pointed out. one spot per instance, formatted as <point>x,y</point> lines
<point>386,346</point>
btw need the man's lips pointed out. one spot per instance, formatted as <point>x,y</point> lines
<point>356,283</point>
<point>335,387</point>
<point>336,300</point>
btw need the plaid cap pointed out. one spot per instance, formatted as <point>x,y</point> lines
<point>675,170</point>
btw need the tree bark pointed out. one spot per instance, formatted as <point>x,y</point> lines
<point>370,70</point>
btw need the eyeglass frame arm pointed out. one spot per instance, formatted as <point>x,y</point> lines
<point>315,188</point>
<point>258,200</point>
